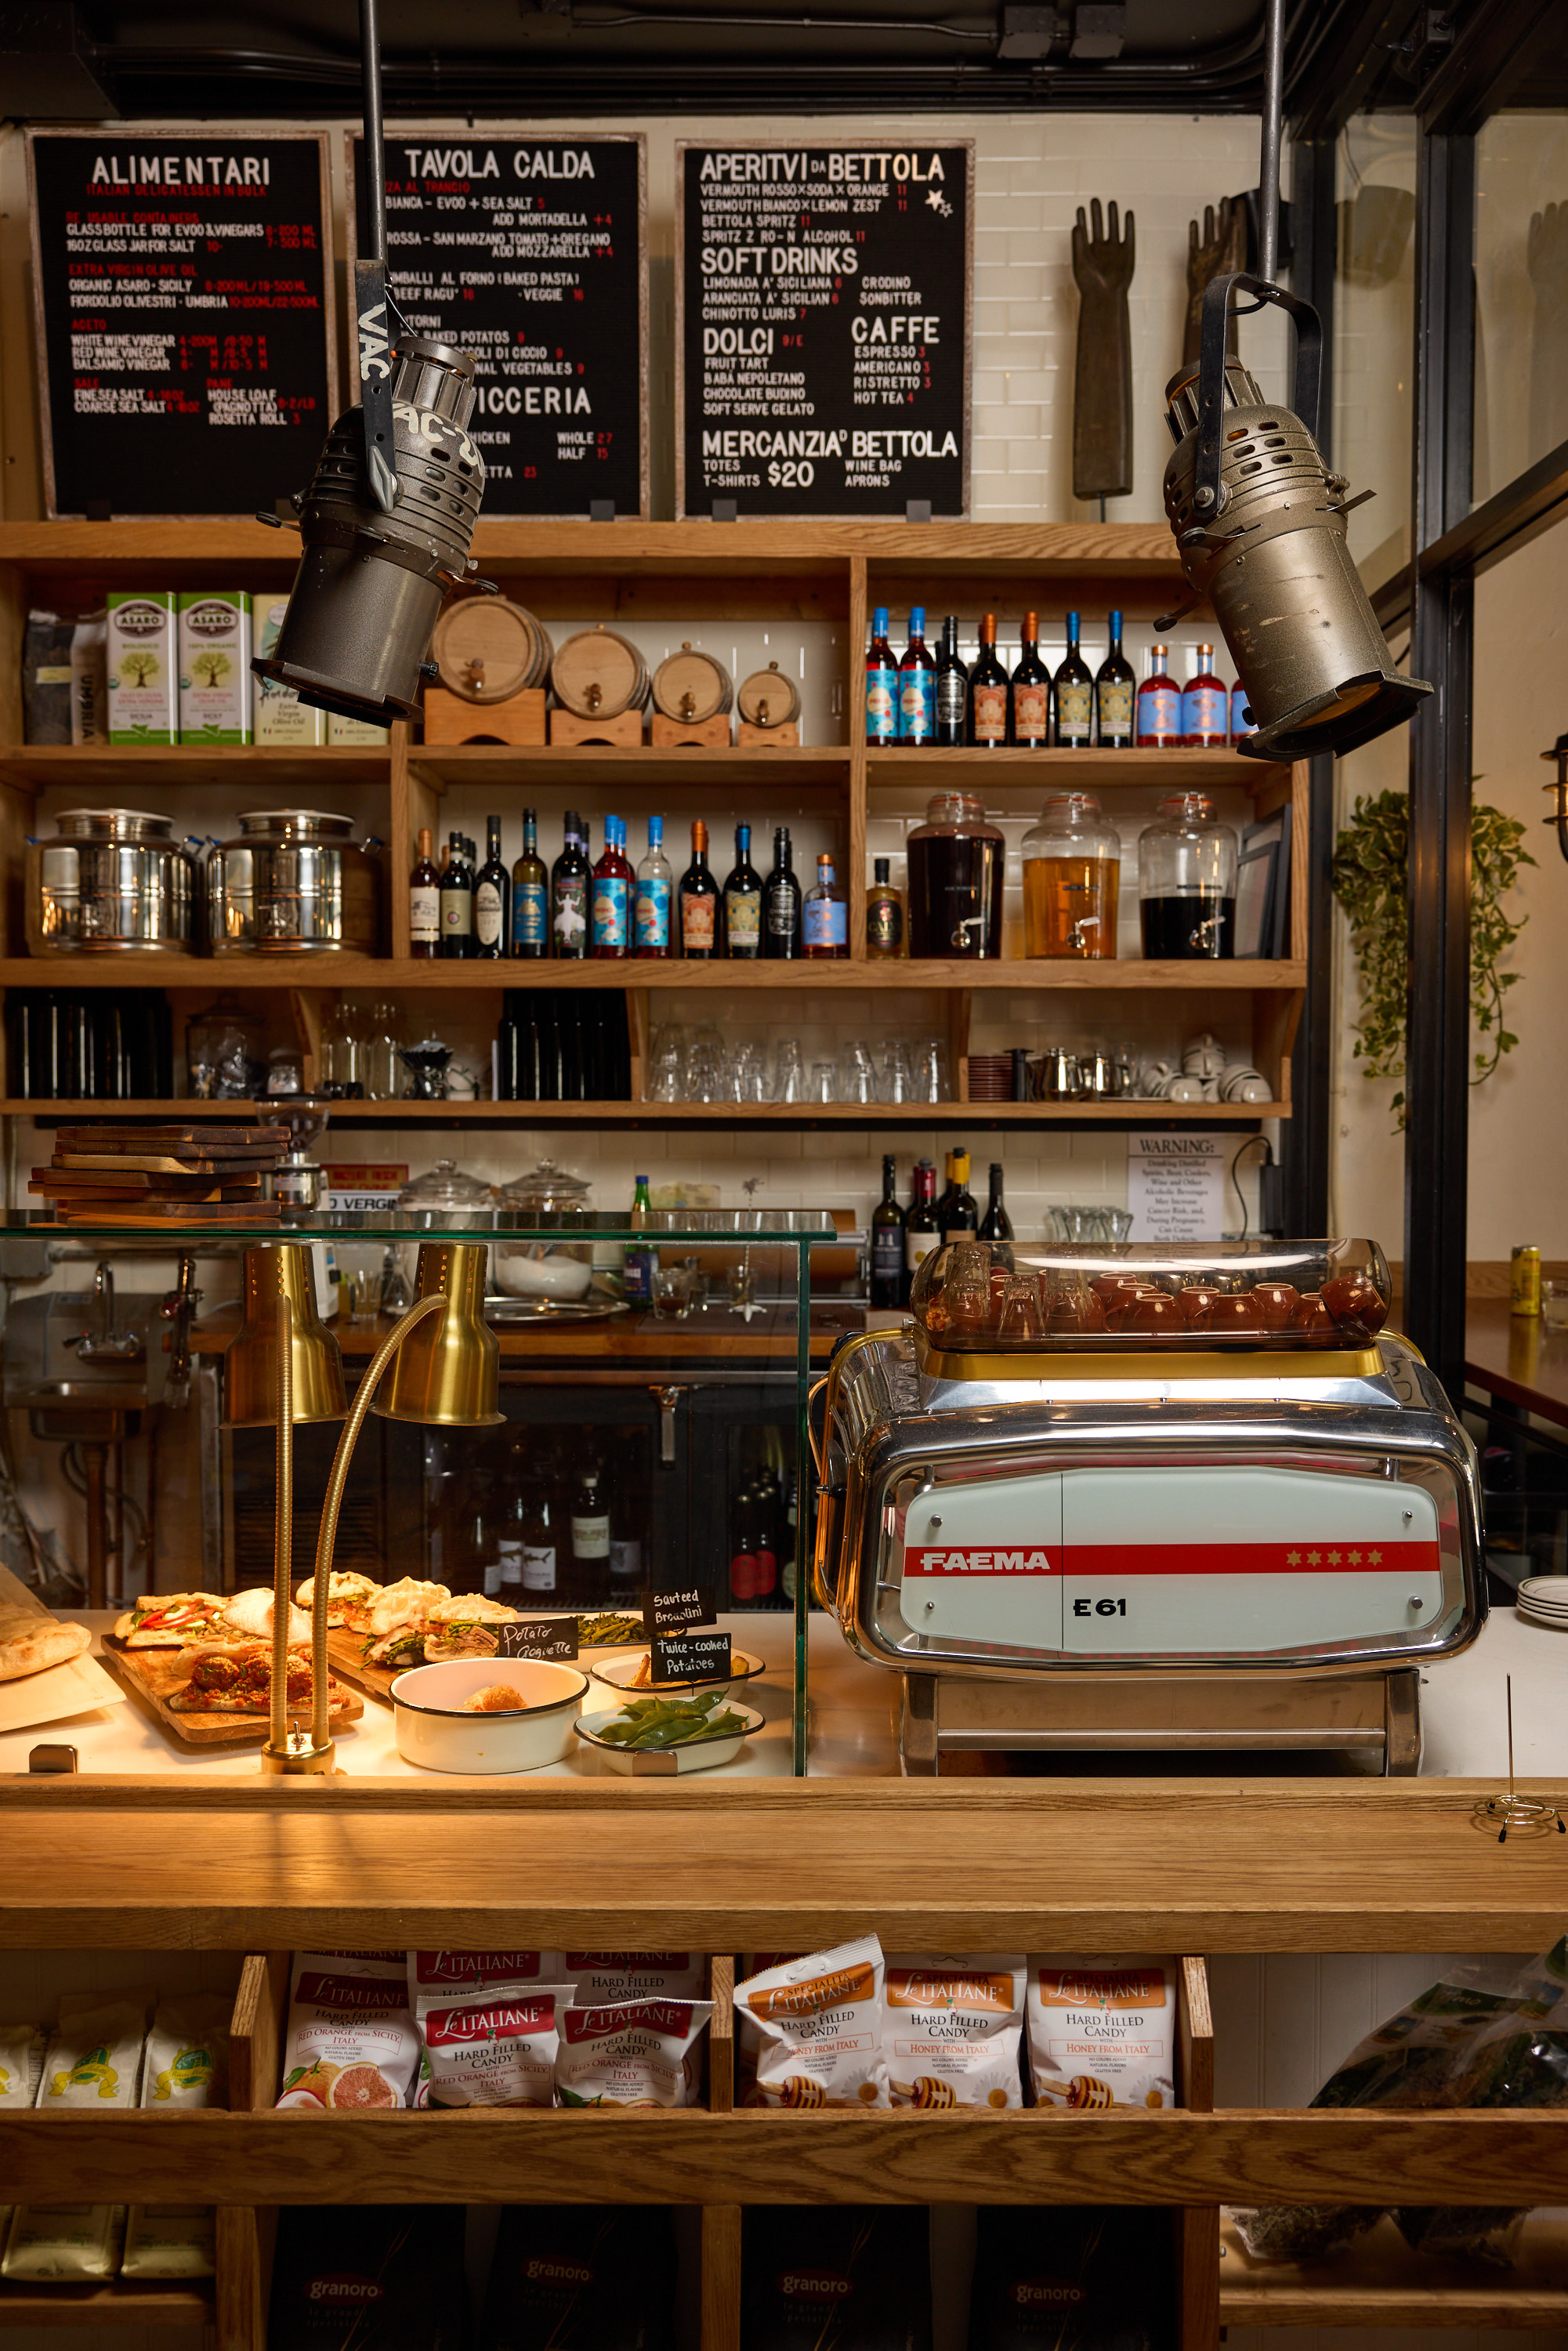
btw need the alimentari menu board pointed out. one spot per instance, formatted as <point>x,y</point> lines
<point>823,329</point>
<point>183,315</point>
<point>530,254</point>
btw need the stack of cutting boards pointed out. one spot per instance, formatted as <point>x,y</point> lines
<point>152,1175</point>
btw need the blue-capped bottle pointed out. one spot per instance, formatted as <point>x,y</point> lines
<point>917,685</point>
<point>650,921</point>
<point>1115,693</point>
<point>1241,720</point>
<point>881,684</point>
<point>611,898</point>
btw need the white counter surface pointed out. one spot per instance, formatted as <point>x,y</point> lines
<point>851,1714</point>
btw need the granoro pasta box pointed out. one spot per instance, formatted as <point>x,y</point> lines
<point>375,2277</point>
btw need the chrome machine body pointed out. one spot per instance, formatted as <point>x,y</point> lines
<point>1073,1513</point>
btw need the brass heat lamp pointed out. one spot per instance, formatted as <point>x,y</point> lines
<point>455,1379</point>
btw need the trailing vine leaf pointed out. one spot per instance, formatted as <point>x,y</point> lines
<point>1371,881</point>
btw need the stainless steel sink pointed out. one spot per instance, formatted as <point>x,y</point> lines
<point>107,1391</point>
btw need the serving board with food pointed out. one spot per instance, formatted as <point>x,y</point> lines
<point>203,1664</point>
<point>376,1632</point>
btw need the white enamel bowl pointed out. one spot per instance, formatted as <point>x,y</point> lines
<point>621,1674</point>
<point>695,1755</point>
<point>434,1730</point>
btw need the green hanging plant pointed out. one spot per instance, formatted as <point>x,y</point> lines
<point>1371,881</point>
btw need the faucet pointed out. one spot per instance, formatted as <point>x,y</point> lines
<point>178,1308</point>
<point>110,1346</point>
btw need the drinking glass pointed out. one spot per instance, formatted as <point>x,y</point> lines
<point>895,1084</point>
<point>382,1073</point>
<point>705,1066</point>
<point>364,1293</point>
<point>672,1293</point>
<point>929,1068</point>
<point>1554,1305</point>
<point>789,1073</point>
<point>822,1088</point>
<point>666,1081</point>
<point>857,1078</point>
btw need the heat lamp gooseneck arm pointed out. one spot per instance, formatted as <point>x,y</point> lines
<point>372,317</point>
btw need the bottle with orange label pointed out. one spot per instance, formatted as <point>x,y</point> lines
<point>1031,692</point>
<point>989,692</point>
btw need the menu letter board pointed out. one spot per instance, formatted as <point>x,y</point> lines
<point>823,329</point>
<point>531,255</point>
<point>181,294</point>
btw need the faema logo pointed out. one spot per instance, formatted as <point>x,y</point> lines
<point>987,1562</point>
<point>214,619</point>
<point>344,2290</point>
<point>816,2286</point>
<point>540,2270</point>
<point>1047,2293</point>
<point>140,620</point>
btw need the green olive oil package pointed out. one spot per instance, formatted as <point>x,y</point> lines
<point>368,2277</point>
<point>836,2277</point>
<point>1059,2277</point>
<point>582,2277</point>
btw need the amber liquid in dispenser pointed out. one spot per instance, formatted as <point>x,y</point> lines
<point>1070,906</point>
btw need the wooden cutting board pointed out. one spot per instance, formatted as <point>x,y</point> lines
<point>147,1138</point>
<point>343,1655</point>
<point>156,1674</point>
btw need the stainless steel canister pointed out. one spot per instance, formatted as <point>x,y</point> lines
<point>111,879</point>
<point>294,882</point>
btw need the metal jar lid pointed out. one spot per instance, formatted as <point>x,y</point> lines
<point>112,824</point>
<point>296,824</point>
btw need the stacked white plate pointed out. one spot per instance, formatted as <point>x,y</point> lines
<point>1543,1600</point>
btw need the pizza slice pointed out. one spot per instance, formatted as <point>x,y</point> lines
<point>239,1681</point>
<point>169,1620</point>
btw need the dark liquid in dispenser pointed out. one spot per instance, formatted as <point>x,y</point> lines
<point>955,895</point>
<point>1200,925</point>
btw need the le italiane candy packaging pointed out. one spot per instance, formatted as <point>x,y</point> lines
<point>632,2052</point>
<point>811,2030</point>
<point>597,1977</point>
<point>836,2277</point>
<point>493,2046</point>
<point>952,2031</point>
<point>94,2057</point>
<point>1101,2032</point>
<point>582,2277</point>
<point>22,2048</point>
<point>350,2041</point>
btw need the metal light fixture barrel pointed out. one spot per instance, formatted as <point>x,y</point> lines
<point>449,1374</point>
<point>250,1366</point>
<point>1259,518</point>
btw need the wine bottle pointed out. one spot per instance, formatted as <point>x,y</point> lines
<point>995,1225</point>
<point>531,894</point>
<point>743,903</point>
<point>456,902</point>
<point>952,686</point>
<point>492,897</point>
<point>641,1261</point>
<point>987,691</point>
<point>883,915</point>
<point>425,903</point>
<point>651,919</point>
<point>590,1532</point>
<point>887,1240</point>
<point>568,881</point>
<point>825,915</point>
<point>916,685</point>
<point>781,904</point>
<point>955,1211</point>
<point>701,913</point>
<point>614,882</point>
<point>1074,689</point>
<point>1114,693</point>
<point>946,1194</point>
<point>922,1234</point>
<point>881,684</point>
<point>1030,691</point>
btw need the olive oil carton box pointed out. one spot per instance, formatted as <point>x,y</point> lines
<point>215,667</point>
<point>360,731</point>
<point>142,671</point>
<point>277,714</point>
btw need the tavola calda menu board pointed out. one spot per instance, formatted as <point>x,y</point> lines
<point>823,329</point>
<point>531,255</point>
<point>183,298</point>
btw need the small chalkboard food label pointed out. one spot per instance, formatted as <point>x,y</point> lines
<point>823,329</point>
<point>678,1611</point>
<point>690,1658</point>
<point>554,1639</point>
<point>182,292</point>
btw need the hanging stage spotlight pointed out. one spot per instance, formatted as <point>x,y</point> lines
<point>1260,520</point>
<point>388,521</point>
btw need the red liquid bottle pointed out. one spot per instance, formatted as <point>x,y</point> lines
<point>1205,707</point>
<point>611,893</point>
<point>1159,706</point>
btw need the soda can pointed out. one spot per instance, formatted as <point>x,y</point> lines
<point>1524,1282</point>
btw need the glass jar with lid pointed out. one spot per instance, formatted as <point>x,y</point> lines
<point>1072,873</point>
<point>1187,881</point>
<point>548,1195</point>
<point>956,881</point>
<point>447,1193</point>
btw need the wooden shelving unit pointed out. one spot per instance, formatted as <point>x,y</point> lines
<point>1379,2282</point>
<point>968,1115</point>
<point>621,572</point>
<point>119,2302</point>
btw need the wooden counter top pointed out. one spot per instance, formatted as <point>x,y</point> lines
<point>1169,1864</point>
<point>1516,1357</point>
<point>620,1339</point>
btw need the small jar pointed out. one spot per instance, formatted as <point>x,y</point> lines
<point>1187,883</point>
<point>956,881</point>
<point>1071,872</point>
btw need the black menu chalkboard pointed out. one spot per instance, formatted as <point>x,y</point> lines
<point>823,329</point>
<point>181,292</point>
<point>531,254</point>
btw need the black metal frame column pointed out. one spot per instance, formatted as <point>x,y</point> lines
<point>1306,1140</point>
<point>1437,1035</point>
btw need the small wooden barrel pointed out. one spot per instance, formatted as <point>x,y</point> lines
<point>692,686</point>
<point>488,649</point>
<point>769,698</point>
<point>599,674</point>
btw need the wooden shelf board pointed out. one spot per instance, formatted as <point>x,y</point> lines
<point>125,767</point>
<point>1142,1864</point>
<point>640,1114</point>
<point>1010,770</point>
<point>1378,2281</point>
<point>118,2302</point>
<point>824,766</point>
<point>334,971</point>
<point>756,2157</point>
